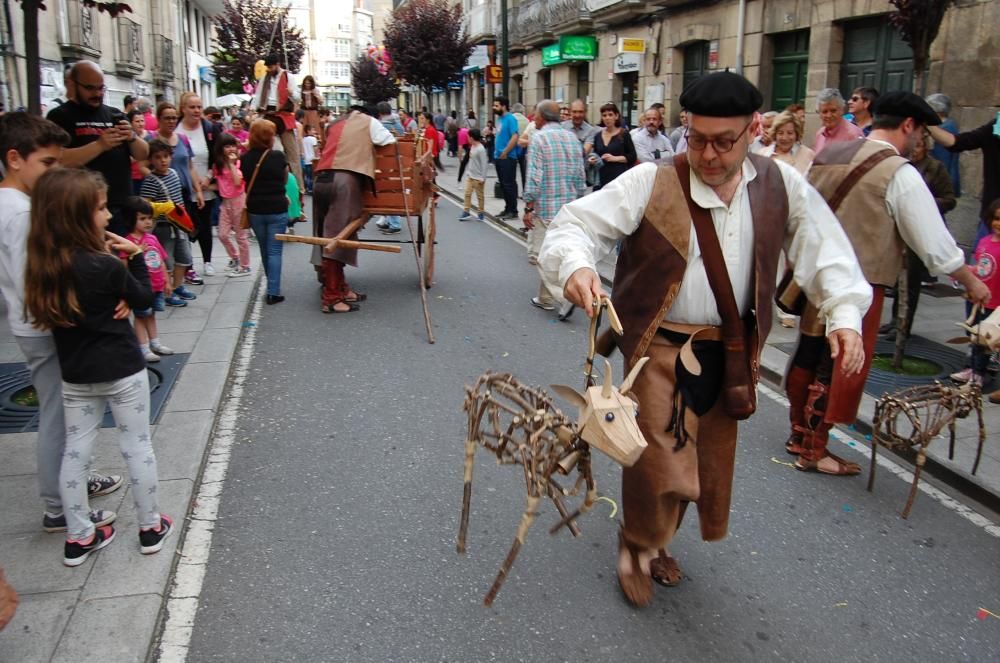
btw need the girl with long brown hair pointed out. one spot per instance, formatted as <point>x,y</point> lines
<point>73,284</point>
<point>311,101</point>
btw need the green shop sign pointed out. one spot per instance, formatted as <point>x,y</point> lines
<point>569,47</point>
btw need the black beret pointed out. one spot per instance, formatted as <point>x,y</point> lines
<point>271,58</point>
<point>722,94</point>
<point>906,104</point>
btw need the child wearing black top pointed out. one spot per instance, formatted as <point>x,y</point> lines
<point>73,284</point>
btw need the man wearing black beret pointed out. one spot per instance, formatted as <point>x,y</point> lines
<point>884,205</point>
<point>667,218</point>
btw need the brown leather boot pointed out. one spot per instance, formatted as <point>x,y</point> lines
<point>797,389</point>
<point>816,435</point>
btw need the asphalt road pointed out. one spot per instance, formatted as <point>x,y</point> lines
<point>336,537</point>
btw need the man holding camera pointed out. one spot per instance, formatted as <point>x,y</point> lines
<point>101,138</point>
<point>651,146</point>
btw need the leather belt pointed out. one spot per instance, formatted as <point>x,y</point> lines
<point>675,333</point>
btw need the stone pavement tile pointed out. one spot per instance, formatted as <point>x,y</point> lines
<point>17,456</point>
<point>184,321</point>
<point>180,443</point>
<point>34,632</point>
<point>33,564</point>
<point>180,342</point>
<point>120,569</point>
<point>10,353</point>
<point>199,387</point>
<point>239,289</point>
<point>216,344</point>
<point>126,625</point>
<point>227,315</point>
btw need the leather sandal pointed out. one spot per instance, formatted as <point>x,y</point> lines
<point>844,467</point>
<point>636,586</point>
<point>358,297</point>
<point>329,308</point>
<point>793,446</point>
<point>665,570</point>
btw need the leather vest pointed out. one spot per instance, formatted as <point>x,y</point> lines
<point>653,259</point>
<point>863,213</point>
<point>349,146</point>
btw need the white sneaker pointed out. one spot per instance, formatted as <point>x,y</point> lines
<point>963,376</point>
<point>151,357</point>
<point>161,349</point>
<point>209,269</point>
<point>239,271</point>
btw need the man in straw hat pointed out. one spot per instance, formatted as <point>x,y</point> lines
<point>756,207</point>
<point>884,205</point>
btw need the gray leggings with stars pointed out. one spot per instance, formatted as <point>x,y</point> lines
<point>83,405</point>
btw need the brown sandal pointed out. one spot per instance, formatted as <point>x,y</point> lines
<point>845,468</point>
<point>665,570</point>
<point>793,447</point>
<point>329,308</point>
<point>636,586</point>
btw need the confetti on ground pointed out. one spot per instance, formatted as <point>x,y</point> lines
<point>249,324</point>
<point>614,505</point>
<point>840,605</point>
<point>781,462</point>
<point>506,354</point>
<point>868,437</point>
<point>847,508</point>
<point>983,613</point>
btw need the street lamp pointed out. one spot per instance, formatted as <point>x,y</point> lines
<point>504,45</point>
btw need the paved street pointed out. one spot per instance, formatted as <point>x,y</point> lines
<point>336,532</point>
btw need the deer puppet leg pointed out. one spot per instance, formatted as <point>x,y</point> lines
<point>527,518</point>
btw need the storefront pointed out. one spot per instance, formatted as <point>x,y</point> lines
<point>566,68</point>
<point>627,67</point>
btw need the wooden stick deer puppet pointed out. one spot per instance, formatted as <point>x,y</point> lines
<point>521,426</point>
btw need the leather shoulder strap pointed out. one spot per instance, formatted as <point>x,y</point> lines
<point>711,253</point>
<point>256,170</point>
<point>855,176</point>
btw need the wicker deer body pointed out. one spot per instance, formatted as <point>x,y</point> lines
<point>520,425</point>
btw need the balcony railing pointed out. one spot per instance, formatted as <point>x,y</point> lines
<point>83,37</point>
<point>529,23</point>
<point>568,14</point>
<point>163,58</point>
<point>480,21</point>
<point>129,58</point>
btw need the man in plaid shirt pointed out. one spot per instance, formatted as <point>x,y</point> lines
<point>555,177</point>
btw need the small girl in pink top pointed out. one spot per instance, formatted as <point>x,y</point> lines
<point>987,267</point>
<point>232,190</point>
<point>239,132</point>
<point>137,215</point>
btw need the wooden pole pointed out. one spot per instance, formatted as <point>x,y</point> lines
<point>416,253</point>
<point>338,243</point>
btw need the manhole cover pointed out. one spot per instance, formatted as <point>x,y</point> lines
<point>19,415</point>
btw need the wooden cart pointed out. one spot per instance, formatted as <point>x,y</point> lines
<point>404,186</point>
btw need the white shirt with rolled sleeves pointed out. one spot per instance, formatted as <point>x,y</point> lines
<point>648,145</point>
<point>380,135</point>
<point>911,204</point>
<point>586,230</point>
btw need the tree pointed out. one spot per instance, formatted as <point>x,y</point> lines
<point>246,31</point>
<point>428,46</point>
<point>918,23</point>
<point>32,63</point>
<point>370,85</point>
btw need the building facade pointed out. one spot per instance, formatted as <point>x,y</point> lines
<point>639,53</point>
<point>159,50</point>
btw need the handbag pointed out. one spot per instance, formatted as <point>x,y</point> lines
<point>789,296</point>
<point>739,388</point>
<point>244,214</point>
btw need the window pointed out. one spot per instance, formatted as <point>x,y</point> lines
<point>342,48</point>
<point>336,70</point>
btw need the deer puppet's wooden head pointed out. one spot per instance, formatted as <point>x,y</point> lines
<point>607,417</point>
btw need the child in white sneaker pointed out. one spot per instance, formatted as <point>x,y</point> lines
<point>73,283</point>
<point>232,190</point>
<point>986,266</point>
<point>137,215</point>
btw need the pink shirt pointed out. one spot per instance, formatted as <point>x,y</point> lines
<point>841,133</point>
<point>242,136</point>
<point>987,267</point>
<point>463,136</point>
<point>155,259</point>
<point>227,186</point>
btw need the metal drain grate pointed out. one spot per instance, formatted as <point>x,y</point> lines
<point>880,382</point>
<point>16,418</point>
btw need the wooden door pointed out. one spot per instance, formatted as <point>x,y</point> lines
<point>875,56</point>
<point>790,62</point>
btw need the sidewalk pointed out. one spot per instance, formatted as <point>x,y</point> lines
<point>111,604</point>
<point>935,321</point>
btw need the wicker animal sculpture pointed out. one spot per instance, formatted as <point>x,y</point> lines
<point>912,417</point>
<point>985,333</point>
<point>521,426</point>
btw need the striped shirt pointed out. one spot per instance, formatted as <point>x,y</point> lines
<point>161,188</point>
<point>555,170</point>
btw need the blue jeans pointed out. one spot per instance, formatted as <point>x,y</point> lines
<point>395,222</point>
<point>265,227</point>
<point>507,174</point>
<point>307,175</point>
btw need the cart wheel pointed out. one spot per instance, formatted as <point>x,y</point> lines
<point>428,254</point>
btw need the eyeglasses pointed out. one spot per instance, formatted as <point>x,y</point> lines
<point>720,145</point>
<point>91,88</point>
<point>855,98</point>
